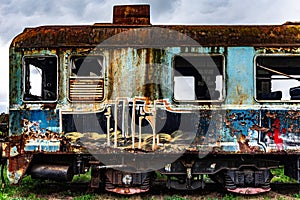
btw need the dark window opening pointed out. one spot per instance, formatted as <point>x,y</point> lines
<point>87,66</point>
<point>277,78</point>
<point>198,78</point>
<point>40,78</point>
<point>87,78</point>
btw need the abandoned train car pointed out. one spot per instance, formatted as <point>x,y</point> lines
<point>129,99</point>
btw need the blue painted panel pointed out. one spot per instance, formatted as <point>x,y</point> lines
<point>238,133</point>
<point>240,76</point>
<point>43,119</point>
<point>241,121</point>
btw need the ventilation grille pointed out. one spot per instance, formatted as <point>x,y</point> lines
<point>86,89</point>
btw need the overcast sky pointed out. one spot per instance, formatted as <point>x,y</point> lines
<point>15,15</point>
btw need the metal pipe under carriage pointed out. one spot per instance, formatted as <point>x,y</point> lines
<point>52,172</point>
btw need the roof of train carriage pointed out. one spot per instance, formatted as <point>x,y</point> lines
<point>133,17</point>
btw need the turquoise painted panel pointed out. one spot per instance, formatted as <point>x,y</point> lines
<point>240,76</point>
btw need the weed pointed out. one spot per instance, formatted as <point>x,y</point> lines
<point>85,197</point>
<point>297,195</point>
<point>82,178</point>
<point>230,197</point>
<point>266,198</point>
<point>160,176</point>
<point>280,177</point>
<point>281,198</point>
<point>175,197</point>
<point>4,196</point>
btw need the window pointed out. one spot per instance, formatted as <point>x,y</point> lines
<point>87,78</point>
<point>198,78</point>
<point>87,66</point>
<point>40,78</point>
<point>277,78</point>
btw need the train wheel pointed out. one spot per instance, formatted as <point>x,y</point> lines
<point>244,181</point>
<point>126,182</point>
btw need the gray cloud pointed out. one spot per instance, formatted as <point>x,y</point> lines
<point>236,12</point>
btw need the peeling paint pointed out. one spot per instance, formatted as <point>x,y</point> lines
<point>13,151</point>
<point>16,167</point>
<point>131,106</point>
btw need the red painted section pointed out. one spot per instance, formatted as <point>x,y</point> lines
<point>276,134</point>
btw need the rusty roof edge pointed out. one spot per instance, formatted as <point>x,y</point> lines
<point>108,24</point>
<point>208,35</point>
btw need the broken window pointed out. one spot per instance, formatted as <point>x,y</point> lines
<point>87,66</point>
<point>87,78</point>
<point>278,78</point>
<point>198,78</point>
<point>40,78</point>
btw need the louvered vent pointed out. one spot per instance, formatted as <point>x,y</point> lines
<point>86,89</point>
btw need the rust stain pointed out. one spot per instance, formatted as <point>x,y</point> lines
<point>54,36</point>
<point>17,167</point>
<point>245,147</point>
<point>35,140</point>
<point>132,14</point>
<point>240,97</point>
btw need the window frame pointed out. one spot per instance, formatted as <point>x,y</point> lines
<point>255,78</point>
<point>69,77</point>
<point>222,93</point>
<point>24,79</point>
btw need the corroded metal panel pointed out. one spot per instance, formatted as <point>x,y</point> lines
<point>62,36</point>
<point>35,120</point>
<point>139,73</point>
<point>239,134</point>
<point>265,131</point>
<point>15,72</point>
<point>132,14</point>
<point>130,107</point>
<point>240,76</point>
<point>17,166</point>
<point>137,86</point>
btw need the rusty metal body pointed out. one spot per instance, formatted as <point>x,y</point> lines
<point>129,106</point>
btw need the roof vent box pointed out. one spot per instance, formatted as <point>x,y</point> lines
<point>131,15</point>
